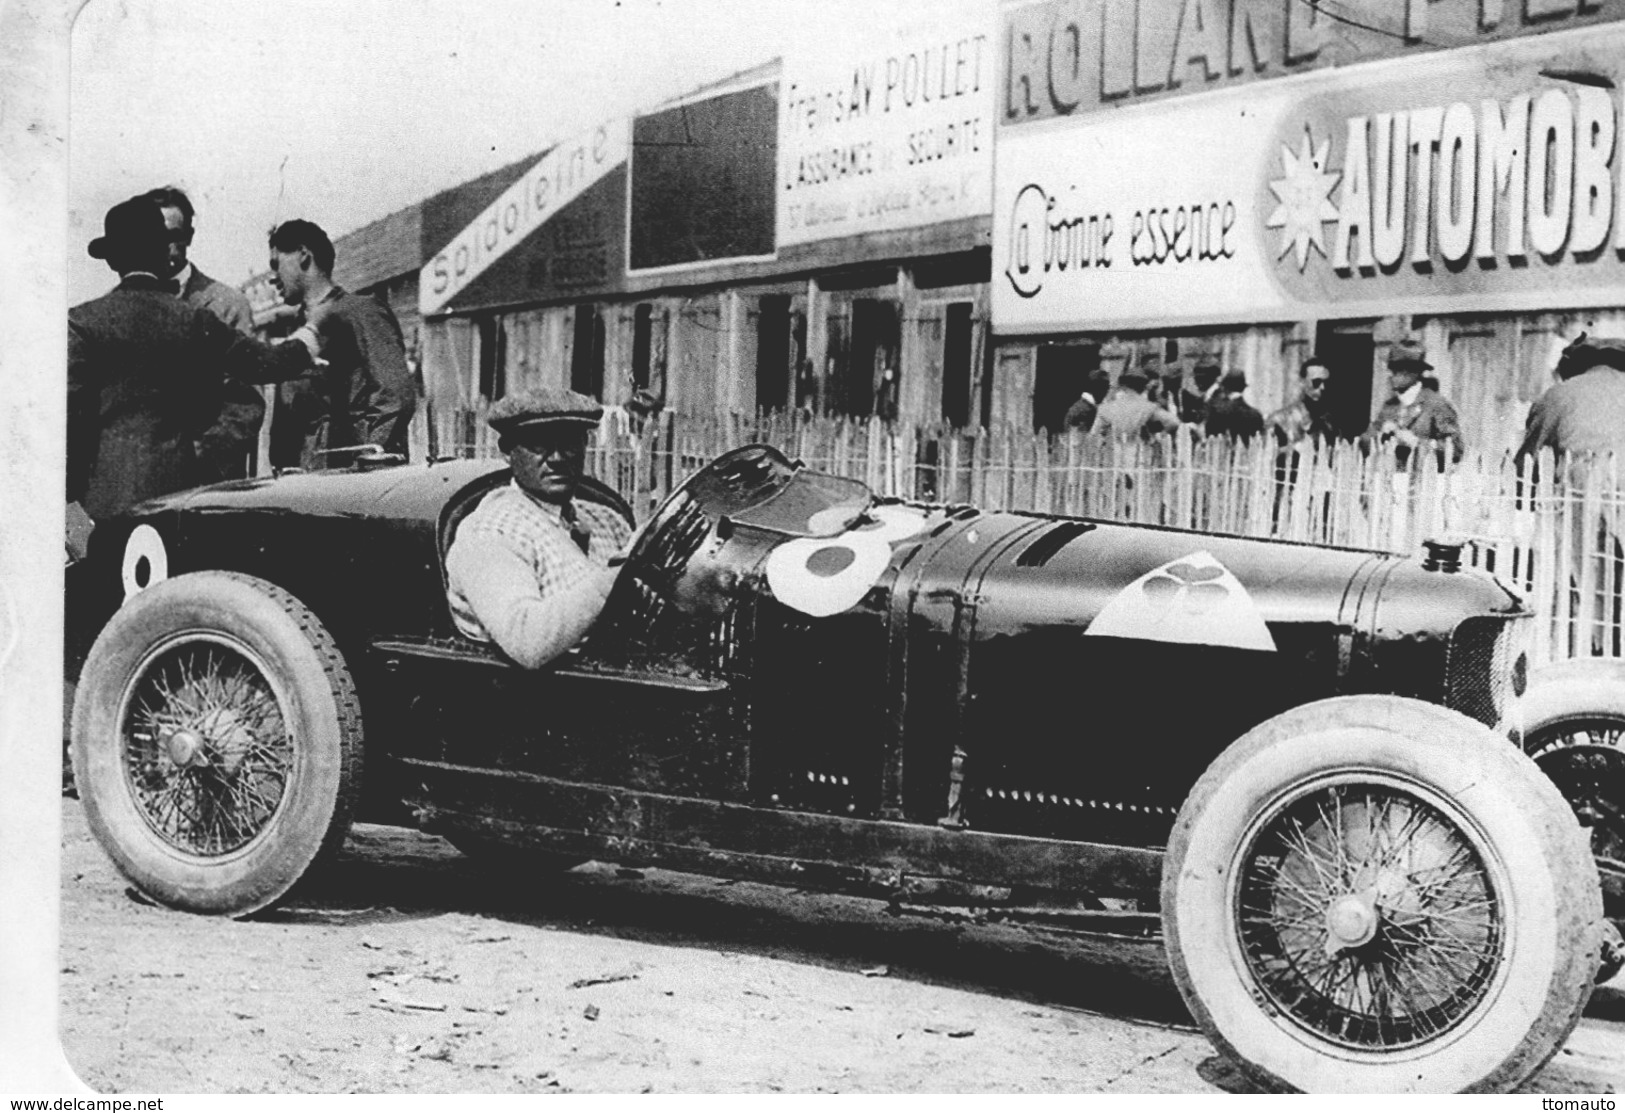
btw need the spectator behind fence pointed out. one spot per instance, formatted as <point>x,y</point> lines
<point>1584,412</point>
<point>151,378</point>
<point>1194,399</point>
<point>367,395</point>
<point>1228,412</point>
<point>1127,412</point>
<point>1309,416</point>
<point>1413,413</point>
<point>1170,387</point>
<point>242,416</point>
<point>1082,413</point>
<point>886,394</point>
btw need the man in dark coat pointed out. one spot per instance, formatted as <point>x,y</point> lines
<point>1413,413</point>
<point>1194,399</point>
<point>1309,416</point>
<point>1228,412</point>
<point>241,417</point>
<point>366,395</point>
<point>149,376</point>
<point>1081,414</point>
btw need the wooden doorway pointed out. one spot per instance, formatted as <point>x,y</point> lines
<point>1349,351</point>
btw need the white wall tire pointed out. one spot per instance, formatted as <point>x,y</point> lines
<point>216,742</point>
<point>1445,941</point>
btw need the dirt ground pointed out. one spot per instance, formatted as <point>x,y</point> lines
<point>409,967</point>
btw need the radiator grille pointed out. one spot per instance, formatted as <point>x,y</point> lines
<point>1482,662</point>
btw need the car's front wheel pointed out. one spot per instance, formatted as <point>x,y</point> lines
<point>1375,894</point>
<point>216,742</point>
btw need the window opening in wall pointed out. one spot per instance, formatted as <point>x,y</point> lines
<point>642,333</point>
<point>493,358</point>
<point>1349,351</point>
<point>985,417</point>
<point>775,360</point>
<point>876,331</point>
<point>800,365</point>
<point>587,354</point>
<point>957,344</point>
<point>1058,381</point>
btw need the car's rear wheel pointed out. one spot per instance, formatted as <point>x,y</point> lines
<point>1572,722</point>
<point>1375,894</point>
<point>216,742</point>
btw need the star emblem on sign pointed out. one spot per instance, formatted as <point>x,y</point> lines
<point>1304,193</point>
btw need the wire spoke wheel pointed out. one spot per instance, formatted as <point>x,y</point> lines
<point>1371,894</point>
<point>217,742</point>
<point>1368,915</point>
<point>206,746</point>
<point>1585,759</point>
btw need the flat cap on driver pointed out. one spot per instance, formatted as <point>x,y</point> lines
<point>528,409</point>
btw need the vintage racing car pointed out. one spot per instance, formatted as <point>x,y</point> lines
<point>1296,756</point>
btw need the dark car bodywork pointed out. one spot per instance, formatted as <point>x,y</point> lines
<point>1015,702</point>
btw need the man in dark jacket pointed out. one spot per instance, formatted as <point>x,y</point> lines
<point>1194,399</point>
<point>1228,412</point>
<point>149,376</point>
<point>1413,413</point>
<point>1309,416</point>
<point>366,395</point>
<point>241,416</point>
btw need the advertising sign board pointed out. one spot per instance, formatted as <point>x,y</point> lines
<point>1484,179</point>
<point>559,177</point>
<point>891,127</point>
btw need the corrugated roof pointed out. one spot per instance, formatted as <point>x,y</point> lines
<point>381,250</point>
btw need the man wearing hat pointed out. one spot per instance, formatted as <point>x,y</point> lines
<point>1228,412</point>
<point>529,568</point>
<point>152,380</point>
<point>1413,413</point>
<point>1585,411</point>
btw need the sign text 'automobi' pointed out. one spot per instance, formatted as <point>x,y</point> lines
<point>1489,178</point>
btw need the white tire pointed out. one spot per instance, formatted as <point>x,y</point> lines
<point>1374,894</point>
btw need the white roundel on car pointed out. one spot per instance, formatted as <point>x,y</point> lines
<point>822,576</point>
<point>1194,600</point>
<point>891,523</point>
<point>145,561</point>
